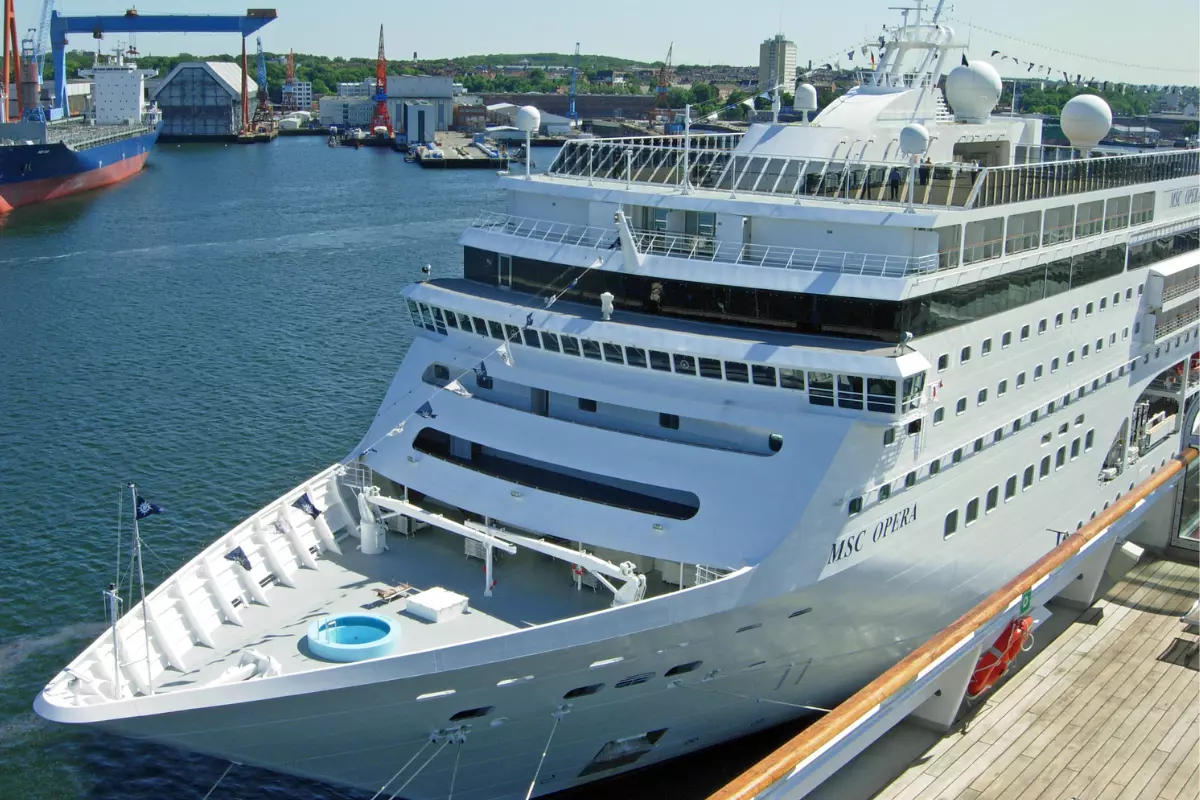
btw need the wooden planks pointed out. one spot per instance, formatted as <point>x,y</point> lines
<point>1105,710</point>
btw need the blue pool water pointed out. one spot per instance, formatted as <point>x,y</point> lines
<point>351,637</point>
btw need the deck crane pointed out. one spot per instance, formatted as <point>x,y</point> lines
<point>572,114</point>
<point>263,117</point>
<point>289,86</point>
<point>33,60</point>
<point>381,119</point>
<point>664,82</point>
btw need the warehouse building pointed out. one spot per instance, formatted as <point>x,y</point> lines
<point>357,111</point>
<point>202,101</point>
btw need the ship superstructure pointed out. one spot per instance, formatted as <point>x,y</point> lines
<point>711,431</point>
<point>44,159</point>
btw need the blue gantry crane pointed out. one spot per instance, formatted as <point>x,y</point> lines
<point>133,22</point>
<point>572,114</point>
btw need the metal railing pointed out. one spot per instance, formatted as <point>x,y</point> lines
<point>801,258</point>
<point>713,165</point>
<point>1001,185</point>
<point>1175,323</point>
<point>1179,289</point>
<point>546,231</point>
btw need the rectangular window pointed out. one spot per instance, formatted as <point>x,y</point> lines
<point>982,397</point>
<point>635,356</point>
<point>1044,471</point>
<point>660,361</point>
<point>855,506</point>
<point>1090,308</point>
<point>1058,320</point>
<point>613,354</point>
<point>961,406</point>
<point>684,365</point>
<point>1053,365</point>
<point>1024,230</point>
<point>951,524</point>
<point>794,379</point>
<point>570,345</point>
<point>986,348</point>
<point>550,341</point>
<point>1116,213</point>
<point>1001,388</point>
<point>965,355</point>
<point>993,499</point>
<point>1010,488</point>
<point>820,388</point>
<point>586,404</point>
<point>850,391</point>
<point>938,415</point>
<point>1060,222</point>
<point>1024,332</point>
<point>1090,219</point>
<point>1142,209</point>
<point>1027,479</point>
<point>1070,357</point>
<point>943,361</point>
<point>710,368</point>
<point>1060,458</point>
<point>1074,313</point>
<point>1020,379</point>
<point>496,330</point>
<point>1006,339</point>
<point>737,372</point>
<point>1075,449</point>
<point>881,393</point>
<point>764,376</point>
<point>591,349</point>
<point>1041,326</point>
<point>531,338</point>
<point>972,511</point>
<point>1088,440</point>
<point>451,319</point>
<point>513,333</point>
<point>1037,372</point>
<point>669,421</point>
<point>481,327</point>
<point>983,239</point>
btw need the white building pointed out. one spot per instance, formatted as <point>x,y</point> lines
<point>356,89</point>
<point>505,115</point>
<point>302,91</point>
<point>350,112</point>
<point>776,63</point>
<point>358,109</point>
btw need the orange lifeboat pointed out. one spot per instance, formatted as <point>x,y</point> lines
<point>995,662</point>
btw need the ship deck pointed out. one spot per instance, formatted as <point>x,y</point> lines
<point>1106,709</point>
<point>531,589</point>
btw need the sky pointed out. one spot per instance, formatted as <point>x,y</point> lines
<point>1156,48</point>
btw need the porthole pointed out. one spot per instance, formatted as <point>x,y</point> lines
<point>583,691</point>
<point>472,713</point>
<point>745,628</point>
<point>682,668</point>
<point>799,613</point>
<point>633,680</point>
<point>775,442</point>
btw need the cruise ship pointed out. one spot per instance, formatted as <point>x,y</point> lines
<point>712,430</point>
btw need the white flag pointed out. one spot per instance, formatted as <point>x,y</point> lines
<point>396,430</point>
<point>505,356</point>
<point>458,389</point>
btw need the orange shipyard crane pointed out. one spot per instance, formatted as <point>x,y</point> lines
<point>381,119</point>
<point>289,86</point>
<point>12,61</point>
<point>661,103</point>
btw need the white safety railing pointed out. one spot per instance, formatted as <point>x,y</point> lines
<point>545,230</point>
<point>800,258</point>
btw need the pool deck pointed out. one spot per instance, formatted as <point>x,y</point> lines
<point>1103,708</point>
<point>531,589</point>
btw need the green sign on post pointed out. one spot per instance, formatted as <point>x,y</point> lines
<point>1026,600</point>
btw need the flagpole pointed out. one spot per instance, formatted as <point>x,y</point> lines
<point>687,130</point>
<point>137,543</point>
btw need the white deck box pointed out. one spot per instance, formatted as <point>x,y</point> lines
<point>437,604</point>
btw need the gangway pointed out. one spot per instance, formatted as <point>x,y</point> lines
<point>133,22</point>
<point>931,682</point>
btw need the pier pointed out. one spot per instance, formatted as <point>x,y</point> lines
<point>1103,706</point>
<point>454,150</point>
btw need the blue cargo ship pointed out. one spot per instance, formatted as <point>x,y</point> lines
<point>42,160</point>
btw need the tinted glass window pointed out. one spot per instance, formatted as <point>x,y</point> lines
<point>612,352</point>
<point>710,368</point>
<point>660,361</point>
<point>550,341</point>
<point>793,379</point>
<point>685,365</point>
<point>735,371</point>
<point>764,376</point>
<point>531,338</point>
<point>820,388</point>
<point>850,391</point>
<point>481,327</point>
<point>570,345</point>
<point>496,331</point>
<point>635,356</point>
<point>591,349</point>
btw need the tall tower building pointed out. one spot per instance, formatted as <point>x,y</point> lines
<point>776,63</point>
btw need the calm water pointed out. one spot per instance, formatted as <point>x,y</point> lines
<point>217,329</point>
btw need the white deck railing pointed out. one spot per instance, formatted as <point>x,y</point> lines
<point>545,230</point>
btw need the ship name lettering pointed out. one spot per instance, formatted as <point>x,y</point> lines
<point>855,542</point>
<point>1185,197</point>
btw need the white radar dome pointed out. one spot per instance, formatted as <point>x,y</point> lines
<point>914,139</point>
<point>1085,120</point>
<point>972,91</point>
<point>529,119</point>
<point>806,98</point>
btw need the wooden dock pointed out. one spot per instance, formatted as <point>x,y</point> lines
<point>1105,707</point>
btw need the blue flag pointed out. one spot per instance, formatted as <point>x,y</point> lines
<point>145,508</point>
<point>306,505</point>
<point>239,555</point>
<point>480,371</point>
<point>529,320</point>
<point>426,411</point>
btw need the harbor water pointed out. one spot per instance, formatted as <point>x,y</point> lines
<point>217,328</point>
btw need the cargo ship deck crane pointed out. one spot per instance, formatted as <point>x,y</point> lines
<point>381,119</point>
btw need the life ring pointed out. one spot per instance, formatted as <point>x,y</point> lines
<point>577,570</point>
<point>995,662</point>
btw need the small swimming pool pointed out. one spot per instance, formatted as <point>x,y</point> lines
<point>351,637</point>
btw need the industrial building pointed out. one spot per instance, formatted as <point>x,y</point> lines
<point>202,100</point>
<point>357,110</point>
<point>776,63</point>
<point>355,89</point>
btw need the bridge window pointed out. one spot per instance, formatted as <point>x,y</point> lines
<point>710,368</point>
<point>820,388</point>
<point>591,349</point>
<point>550,341</point>
<point>660,361</point>
<point>850,391</point>
<point>765,376</point>
<point>570,345</point>
<point>684,365</point>
<point>737,372</point>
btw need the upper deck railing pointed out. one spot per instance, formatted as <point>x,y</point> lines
<point>705,248</point>
<point>713,165</point>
